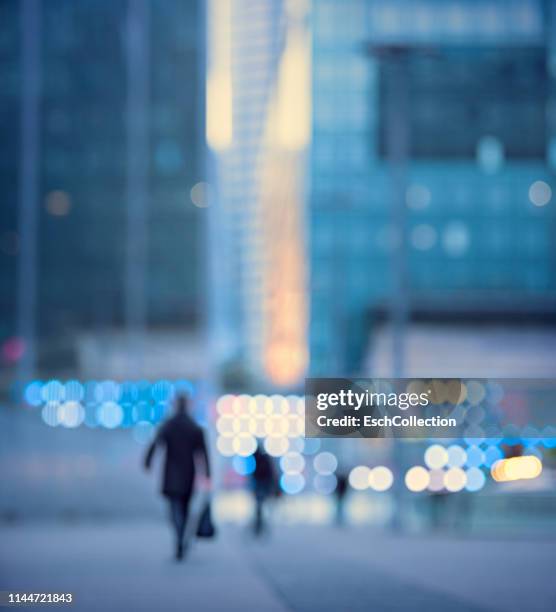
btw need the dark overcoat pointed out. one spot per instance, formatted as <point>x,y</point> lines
<point>182,439</point>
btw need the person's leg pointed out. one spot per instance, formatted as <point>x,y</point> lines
<point>259,525</point>
<point>182,524</point>
<point>176,520</point>
<point>183,515</point>
<point>339,511</point>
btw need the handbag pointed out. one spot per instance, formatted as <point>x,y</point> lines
<point>205,527</point>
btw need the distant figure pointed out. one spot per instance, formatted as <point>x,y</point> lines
<point>184,442</point>
<point>340,492</point>
<point>264,484</point>
<point>438,513</point>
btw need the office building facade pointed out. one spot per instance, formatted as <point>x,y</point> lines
<point>433,152</point>
<point>120,151</point>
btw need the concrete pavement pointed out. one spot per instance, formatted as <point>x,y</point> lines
<point>128,566</point>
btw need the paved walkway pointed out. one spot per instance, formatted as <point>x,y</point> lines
<point>304,569</point>
<point>128,567</point>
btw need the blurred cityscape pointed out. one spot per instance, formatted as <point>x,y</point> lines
<point>220,198</point>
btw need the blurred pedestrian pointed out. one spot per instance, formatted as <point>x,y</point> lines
<point>438,509</point>
<point>184,443</point>
<point>264,484</point>
<point>340,492</point>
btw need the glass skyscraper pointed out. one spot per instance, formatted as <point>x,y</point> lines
<point>433,151</point>
<point>121,86</point>
<point>258,131</point>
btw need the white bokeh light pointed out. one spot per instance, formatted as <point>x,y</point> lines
<point>455,479</point>
<point>359,477</point>
<point>436,456</point>
<point>456,456</point>
<point>417,479</point>
<point>110,414</point>
<point>292,463</point>
<point>456,239</point>
<point>71,414</point>
<point>276,447</point>
<point>475,479</point>
<point>325,463</point>
<point>225,446</point>
<point>540,193</point>
<point>244,444</point>
<point>381,478</point>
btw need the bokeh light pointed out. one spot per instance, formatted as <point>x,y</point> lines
<point>492,455</point>
<point>244,444</point>
<point>325,484</point>
<point>200,195</point>
<point>244,465</point>
<point>292,463</point>
<point>74,391</point>
<point>276,447</point>
<point>225,446</point>
<point>292,483</point>
<point>53,391</point>
<point>423,237</point>
<point>418,197</point>
<point>143,432</point>
<point>381,478</point>
<point>417,479</point>
<point>49,414</point>
<point>32,393</point>
<point>436,456</point>
<point>325,463</point>
<point>71,414</point>
<point>110,415</point>
<point>58,203</point>
<point>359,477</point>
<point>456,239</point>
<point>475,479</point>
<point>517,468</point>
<point>312,446</point>
<point>456,456</point>
<point>436,480</point>
<point>475,457</point>
<point>540,193</point>
<point>475,392</point>
<point>455,479</point>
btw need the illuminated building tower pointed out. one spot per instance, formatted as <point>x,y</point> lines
<point>432,164</point>
<point>121,146</point>
<point>258,129</point>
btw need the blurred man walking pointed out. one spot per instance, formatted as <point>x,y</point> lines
<point>264,484</point>
<point>184,442</point>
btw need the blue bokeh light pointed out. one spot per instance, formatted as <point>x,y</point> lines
<point>475,457</point>
<point>74,391</point>
<point>110,415</point>
<point>292,483</point>
<point>143,432</point>
<point>244,465</point>
<point>53,391</point>
<point>475,479</point>
<point>492,455</point>
<point>32,393</point>
<point>162,391</point>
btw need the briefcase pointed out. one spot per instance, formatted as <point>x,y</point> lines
<point>205,528</point>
